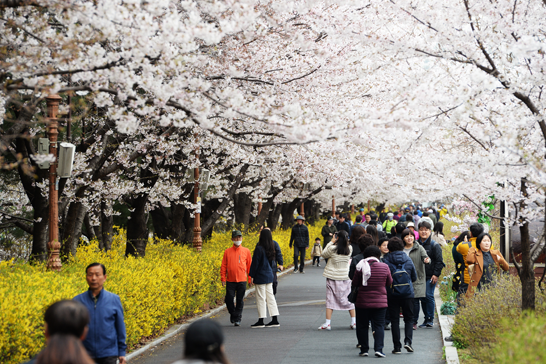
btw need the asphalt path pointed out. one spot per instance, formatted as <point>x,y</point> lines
<point>301,301</point>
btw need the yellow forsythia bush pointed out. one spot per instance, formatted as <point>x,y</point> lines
<point>170,282</point>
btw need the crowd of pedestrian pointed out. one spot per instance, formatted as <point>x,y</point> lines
<point>381,268</point>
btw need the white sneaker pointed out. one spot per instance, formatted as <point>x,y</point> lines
<point>325,326</point>
<point>353,326</point>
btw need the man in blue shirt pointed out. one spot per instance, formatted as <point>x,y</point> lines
<point>105,341</point>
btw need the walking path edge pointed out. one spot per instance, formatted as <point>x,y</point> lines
<point>175,329</point>
<point>446,322</point>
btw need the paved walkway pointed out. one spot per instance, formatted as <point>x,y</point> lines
<point>301,300</point>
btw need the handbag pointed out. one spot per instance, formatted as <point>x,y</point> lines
<point>354,290</point>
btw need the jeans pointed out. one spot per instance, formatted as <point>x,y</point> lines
<point>427,303</point>
<point>106,360</point>
<point>235,289</point>
<point>317,259</point>
<point>299,252</point>
<point>363,316</point>
<point>395,303</point>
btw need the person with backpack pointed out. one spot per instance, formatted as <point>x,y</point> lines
<point>432,271</point>
<point>371,277</point>
<point>400,294</point>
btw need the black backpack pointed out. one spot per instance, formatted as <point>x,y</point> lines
<point>401,282</point>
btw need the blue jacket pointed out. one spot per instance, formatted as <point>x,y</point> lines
<point>106,336</point>
<point>394,259</point>
<point>260,269</point>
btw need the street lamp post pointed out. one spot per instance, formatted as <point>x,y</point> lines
<point>302,209</point>
<point>53,245</point>
<point>333,206</point>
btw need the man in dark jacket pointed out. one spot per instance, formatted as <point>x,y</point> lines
<point>432,271</point>
<point>343,225</point>
<point>328,231</point>
<point>105,341</point>
<point>300,239</point>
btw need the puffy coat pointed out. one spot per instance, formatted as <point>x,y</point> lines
<point>337,267</point>
<point>374,294</point>
<point>394,259</point>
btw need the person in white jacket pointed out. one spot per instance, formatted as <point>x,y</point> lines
<point>338,285</point>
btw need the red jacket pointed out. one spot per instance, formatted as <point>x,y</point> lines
<point>236,264</point>
<point>374,295</point>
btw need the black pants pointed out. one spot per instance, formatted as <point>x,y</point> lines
<point>235,289</point>
<point>106,360</point>
<point>463,287</point>
<point>317,259</point>
<point>395,303</point>
<point>377,316</point>
<point>299,252</point>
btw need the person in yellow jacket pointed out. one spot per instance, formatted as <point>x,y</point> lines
<point>443,211</point>
<point>234,276</point>
<point>389,223</point>
<point>464,247</point>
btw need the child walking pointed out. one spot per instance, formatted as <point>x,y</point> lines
<point>316,252</point>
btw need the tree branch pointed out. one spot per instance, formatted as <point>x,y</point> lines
<point>299,78</point>
<point>481,210</point>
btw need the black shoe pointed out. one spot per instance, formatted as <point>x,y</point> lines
<point>448,338</point>
<point>296,271</point>
<point>273,323</point>
<point>408,348</point>
<point>429,324</point>
<point>358,346</point>
<point>258,325</point>
<point>397,351</point>
<point>237,323</point>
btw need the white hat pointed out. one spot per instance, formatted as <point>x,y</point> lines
<point>390,214</point>
<point>410,224</point>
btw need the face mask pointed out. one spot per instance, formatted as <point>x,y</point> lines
<point>237,242</point>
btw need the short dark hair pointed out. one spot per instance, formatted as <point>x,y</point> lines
<point>400,227</point>
<point>368,214</point>
<point>396,213</point>
<point>425,213</point>
<point>381,241</point>
<point>372,251</point>
<point>66,317</point>
<point>395,244</point>
<point>476,229</point>
<point>317,239</point>
<point>358,218</point>
<point>425,224</point>
<point>415,212</point>
<point>409,217</point>
<point>365,241</point>
<point>373,217</point>
<point>96,265</point>
<point>480,238</point>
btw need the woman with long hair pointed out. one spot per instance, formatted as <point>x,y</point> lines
<point>64,349</point>
<point>438,234</point>
<point>262,276</point>
<point>372,230</point>
<point>204,343</point>
<point>483,262</point>
<point>338,285</point>
<point>356,233</point>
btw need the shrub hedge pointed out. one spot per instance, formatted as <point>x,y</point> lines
<point>171,282</point>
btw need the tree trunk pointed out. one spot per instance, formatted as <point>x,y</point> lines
<point>72,229</point>
<point>242,209</point>
<point>161,220</point>
<point>274,215</point>
<point>288,213</point>
<point>40,230</point>
<point>178,229</point>
<point>106,227</point>
<point>90,230</point>
<point>527,274</point>
<point>137,228</point>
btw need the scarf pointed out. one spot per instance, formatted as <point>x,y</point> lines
<point>364,267</point>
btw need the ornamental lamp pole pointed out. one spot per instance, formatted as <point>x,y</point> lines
<point>53,245</point>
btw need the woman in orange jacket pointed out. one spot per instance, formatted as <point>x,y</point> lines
<point>482,261</point>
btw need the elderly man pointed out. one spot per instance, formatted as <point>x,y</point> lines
<point>234,276</point>
<point>105,341</point>
<point>300,239</point>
